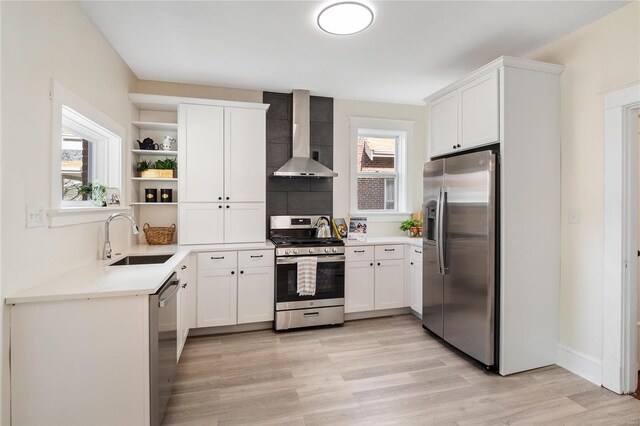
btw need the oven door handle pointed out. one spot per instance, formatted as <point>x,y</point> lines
<point>321,259</point>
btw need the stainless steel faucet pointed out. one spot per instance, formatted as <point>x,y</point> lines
<point>107,242</point>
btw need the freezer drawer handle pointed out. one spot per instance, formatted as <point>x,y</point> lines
<point>311,314</point>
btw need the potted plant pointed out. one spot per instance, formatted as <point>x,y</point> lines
<point>160,169</point>
<point>413,227</point>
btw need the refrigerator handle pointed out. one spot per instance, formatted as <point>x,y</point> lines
<point>442,199</point>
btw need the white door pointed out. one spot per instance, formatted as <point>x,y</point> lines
<point>217,297</point>
<point>359,283</point>
<point>480,111</point>
<point>389,289</point>
<point>245,152</point>
<point>201,223</point>
<point>255,295</point>
<point>201,157</point>
<point>443,125</point>
<point>244,222</point>
<point>416,282</point>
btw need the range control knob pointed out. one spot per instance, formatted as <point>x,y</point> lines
<point>310,250</point>
<point>294,251</point>
<point>335,250</point>
<point>326,250</point>
<point>287,251</point>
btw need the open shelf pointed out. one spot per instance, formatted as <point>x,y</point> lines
<point>156,179</point>
<point>154,204</point>
<point>147,125</point>
<point>157,152</point>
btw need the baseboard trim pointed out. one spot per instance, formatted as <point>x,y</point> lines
<point>226,329</point>
<point>375,314</point>
<point>583,365</point>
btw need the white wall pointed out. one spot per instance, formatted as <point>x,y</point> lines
<point>600,56</point>
<point>344,109</point>
<point>40,41</point>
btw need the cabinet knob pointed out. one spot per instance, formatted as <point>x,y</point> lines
<point>184,267</point>
<point>184,285</point>
<point>219,198</point>
<point>412,263</point>
<point>242,272</point>
<point>371,264</point>
<point>458,146</point>
<point>454,147</point>
<point>227,198</point>
<point>233,272</point>
<point>220,207</point>
<point>378,263</point>
<point>227,205</point>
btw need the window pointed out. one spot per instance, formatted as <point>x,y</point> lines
<point>379,165</point>
<point>86,148</point>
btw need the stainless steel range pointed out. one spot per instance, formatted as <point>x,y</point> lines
<point>297,238</point>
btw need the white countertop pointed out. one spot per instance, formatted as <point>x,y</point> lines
<point>98,279</point>
<point>372,241</point>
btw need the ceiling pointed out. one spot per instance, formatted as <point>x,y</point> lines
<point>411,50</point>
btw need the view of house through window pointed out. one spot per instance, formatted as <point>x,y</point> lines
<point>377,172</point>
<point>77,169</point>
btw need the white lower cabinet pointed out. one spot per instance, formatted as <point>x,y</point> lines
<point>415,279</point>
<point>217,297</point>
<point>255,295</point>
<point>374,278</point>
<point>359,289</point>
<point>235,287</point>
<point>389,284</point>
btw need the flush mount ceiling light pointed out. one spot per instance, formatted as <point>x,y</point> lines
<point>345,18</point>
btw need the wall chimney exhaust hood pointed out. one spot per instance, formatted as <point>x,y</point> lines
<point>301,164</point>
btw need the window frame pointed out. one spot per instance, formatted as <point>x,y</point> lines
<point>402,130</point>
<point>107,136</point>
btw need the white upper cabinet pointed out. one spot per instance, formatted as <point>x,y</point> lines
<point>244,222</point>
<point>201,223</point>
<point>480,111</point>
<point>465,117</point>
<point>201,158</point>
<point>443,124</point>
<point>245,153</point>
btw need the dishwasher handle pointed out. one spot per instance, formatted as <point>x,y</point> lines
<point>172,282</point>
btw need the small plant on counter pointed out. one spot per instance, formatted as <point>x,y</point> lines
<point>412,226</point>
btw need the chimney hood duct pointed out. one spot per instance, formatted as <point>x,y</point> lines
<point>301,164</point>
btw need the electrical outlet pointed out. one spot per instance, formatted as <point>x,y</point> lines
<point>36,217</point>
<point>574,216</point>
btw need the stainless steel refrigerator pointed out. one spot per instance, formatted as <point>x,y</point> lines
<point>460,260</point>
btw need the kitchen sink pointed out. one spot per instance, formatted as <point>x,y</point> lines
<point>142,260</point>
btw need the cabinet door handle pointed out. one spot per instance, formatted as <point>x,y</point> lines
<point>412,263</point>
<point>389,249</point>
<point>217,258</point>
<point>419,252</point>
<point>253,257</point>
<point>184,267</point>
<point>358,251</point>
<point>220,198</point>
<point>227,205</point>
<point>242,272</point>
<point>454,147</point>
<point>378,263</point>
<point>184,285</point>
<point>227,198</point>
<point>220,206</point>
<point>233,272</point>
<point>458,146</point>
<point>371,264</point>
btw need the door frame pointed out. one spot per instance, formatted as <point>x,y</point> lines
<point>620,272</point>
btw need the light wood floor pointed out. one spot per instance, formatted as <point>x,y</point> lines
<point>376,371</point>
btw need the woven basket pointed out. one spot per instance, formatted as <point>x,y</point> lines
<point>158,235</point>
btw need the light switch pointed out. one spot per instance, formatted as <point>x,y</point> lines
<point>574,216</point>
<point>36,217</point>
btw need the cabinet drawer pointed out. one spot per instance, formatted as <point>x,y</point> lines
<point>415,255</point>
<point>395,251</point>
<point>255,259</point>
<point>356,253</point>
<point>218,260</point>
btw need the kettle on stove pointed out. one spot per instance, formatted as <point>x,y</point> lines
<point>323,230</point>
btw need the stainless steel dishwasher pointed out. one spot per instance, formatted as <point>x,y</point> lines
<point>163,346</point>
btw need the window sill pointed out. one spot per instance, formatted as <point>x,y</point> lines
<point>79,215</point>
<point>375,217</point>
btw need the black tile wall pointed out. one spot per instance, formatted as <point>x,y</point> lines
<point>298,196</point>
